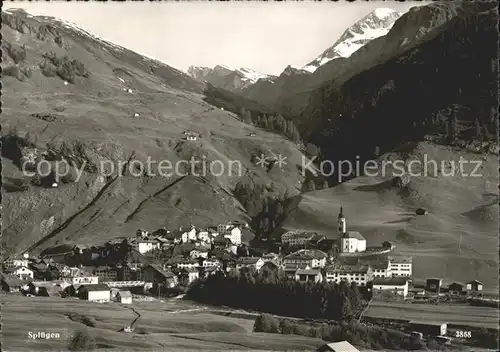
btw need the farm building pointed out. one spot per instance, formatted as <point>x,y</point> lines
<point>433,285</point>
<point>21,272</point>
<point>95,293</point>
<point>341,346</point>
<point>393,284</point>
<point>124,297</point>
<point>456,288</point>
<point>474,286</point>
<point>13,284</point>
<point>309,275</point>
<point>429,328</point>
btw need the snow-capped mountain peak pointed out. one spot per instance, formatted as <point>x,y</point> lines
<point>228,78</point>
<point>376,24</point>
<point>251,75</point>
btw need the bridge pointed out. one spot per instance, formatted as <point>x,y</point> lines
<point>117,284</point>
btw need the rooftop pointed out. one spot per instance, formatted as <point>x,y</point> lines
<point>390,281</point>
<point>307,271</point>
<point>353,234</point>
<point>342,346</point>
<point>247,260</point>
<point>125,294</point>
<point>160,271</point>
<point>339,268</point>
<point>14,281</point>
<point>378,264</point>
<point>399,259</point>
<point>95,287</point>
<point>430,323</point>
<point>307,254</point>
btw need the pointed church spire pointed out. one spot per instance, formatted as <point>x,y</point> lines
<point>341,214</point>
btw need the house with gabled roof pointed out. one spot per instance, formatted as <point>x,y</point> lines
<point>249,262</point>
<point>361,274</point>
<point>309,275</point>
<point>474,286</point>
<point>12,284</point>
<point>21,272</point>
<point>95,293</point>
<point>155,274</point>
<point>312,257</point>
<point>124,297</point>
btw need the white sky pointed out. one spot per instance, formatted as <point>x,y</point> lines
<point>265,36</point>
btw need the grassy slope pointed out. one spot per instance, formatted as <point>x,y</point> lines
<point>450,242</point>
<point>99,113</point>
<point>163,326</point>
<point>457,314</point>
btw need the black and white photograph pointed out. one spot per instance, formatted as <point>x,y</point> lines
<point>249,176</point>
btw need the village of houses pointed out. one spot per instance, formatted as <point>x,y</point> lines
<point>150,263</point>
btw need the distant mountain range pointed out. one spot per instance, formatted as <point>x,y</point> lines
<point>374,39</point>
<point>230,79</point>
<point>374,25</point>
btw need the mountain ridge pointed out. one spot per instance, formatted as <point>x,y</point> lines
<point>375,24</point>
<point>234,80</point>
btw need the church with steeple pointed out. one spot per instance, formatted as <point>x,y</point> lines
<point>351,241</point>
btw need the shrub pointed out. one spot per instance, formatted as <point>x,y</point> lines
<point>266,323</point>
<point>69,177</point>
<point>59,41</point>
<point>16,185</point>
<point>12,71</point>
<point>36,180</point>
<point>286,327</point>
<point>82,341</point>
<point>63,67</point>
<point>48,69</point>
<point>26,71</point>
<point>17,54</point>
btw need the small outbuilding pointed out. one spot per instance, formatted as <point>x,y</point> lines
<point>124,297</point>
<point>95,293</point>
<point>433,285</point>
<point>455,288</point>
<point>341,346</point>
<point>429,328</point>
<point>421,211</point>
<point>474,286</point>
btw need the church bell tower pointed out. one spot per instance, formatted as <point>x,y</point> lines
<point>341,222</point>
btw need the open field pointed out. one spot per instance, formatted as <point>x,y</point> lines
<point>451,314</point>
<point>457,240</point>
<point>168,326</point>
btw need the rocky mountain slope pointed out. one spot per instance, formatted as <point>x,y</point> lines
<point>228,79</point>
<point>450,74</point>
<point>376,24</point>
<point>68,95</point>
<point>290,94</point>
<point>437,102</point>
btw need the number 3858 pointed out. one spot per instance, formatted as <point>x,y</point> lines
<point>463,334</point>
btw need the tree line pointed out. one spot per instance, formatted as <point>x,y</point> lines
<point>276,123</point>
<point>372,337</point>
<point>270,291</point>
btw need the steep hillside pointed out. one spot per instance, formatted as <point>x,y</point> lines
<point>69,95</point>
<point>291,97</point>
<point>457,240</point>
<point>452,74</point>
<point>435,103</point>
